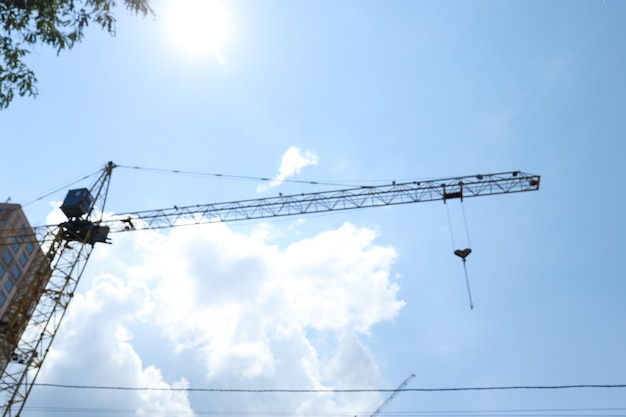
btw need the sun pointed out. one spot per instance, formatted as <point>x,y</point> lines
<point>198,27</point>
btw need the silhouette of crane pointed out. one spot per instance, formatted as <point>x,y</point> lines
<point>393,395</point>
<point>32,318</point>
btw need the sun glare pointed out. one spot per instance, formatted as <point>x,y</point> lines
<point>198,27</point>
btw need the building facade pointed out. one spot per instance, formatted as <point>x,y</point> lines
<point>18,252</point>
<point>20,256</point>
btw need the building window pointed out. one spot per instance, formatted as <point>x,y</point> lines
<point>30,247</point>
<point>8,258</point>
<point>2,271</point>
<point>15,271</point>
<point>8,285</point>
<point>3,298</point>
<point>16,244</point>
<point>23,258</point>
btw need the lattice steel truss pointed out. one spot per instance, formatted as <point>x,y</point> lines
<point>355,198</point>
<point>34,314</point>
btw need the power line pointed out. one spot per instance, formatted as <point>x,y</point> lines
<point>333,390</point>
<point>547,412</point>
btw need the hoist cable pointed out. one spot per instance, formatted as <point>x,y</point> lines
<point>469,291</point>
<point>450,227</point>
<point>469,243</point>
<point>462,253</point>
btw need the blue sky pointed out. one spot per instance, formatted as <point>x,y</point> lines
<point>374,91</point>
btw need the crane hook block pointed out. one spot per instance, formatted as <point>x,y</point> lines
<point>463,253</point>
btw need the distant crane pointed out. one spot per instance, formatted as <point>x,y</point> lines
<point>34,315</point>
<point>393,395</point>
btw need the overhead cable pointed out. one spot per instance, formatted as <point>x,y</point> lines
<point>251,178</point>
<point>333,390</point>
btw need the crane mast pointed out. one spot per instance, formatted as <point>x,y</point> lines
<point>34,315</point>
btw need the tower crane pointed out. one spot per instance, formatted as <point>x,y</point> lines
<point>33,316</point>
<point>393,395</point>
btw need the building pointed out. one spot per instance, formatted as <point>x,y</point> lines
<point>15,256</point>
<point>20,259</point>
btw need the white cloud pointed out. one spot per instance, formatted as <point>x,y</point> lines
<point>55,216</point>
<point>292,163</point>
<point>95,347</point>
<point>231,310</point>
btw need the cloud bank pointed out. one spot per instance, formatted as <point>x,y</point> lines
<point>205,306</point>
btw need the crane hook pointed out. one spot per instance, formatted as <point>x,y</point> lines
<point>463,253</point>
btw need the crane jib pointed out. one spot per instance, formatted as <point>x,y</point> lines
<point>319,202</point>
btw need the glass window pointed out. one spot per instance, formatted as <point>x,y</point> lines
<point>16,244</point>
<point>8,285</point>
<point>30,247</point>
<point>8,258</point>
<point>23,258</point>
<point>15,271</point>
<point>3,298</point>
<point>2,271</point>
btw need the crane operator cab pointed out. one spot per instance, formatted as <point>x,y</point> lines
<point>77,204</point>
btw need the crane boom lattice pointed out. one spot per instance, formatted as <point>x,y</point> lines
<point>322,202</point>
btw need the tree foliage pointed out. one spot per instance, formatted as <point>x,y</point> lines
<point>57,23</point>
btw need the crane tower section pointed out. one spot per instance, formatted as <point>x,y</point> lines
<point>33,315</point>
